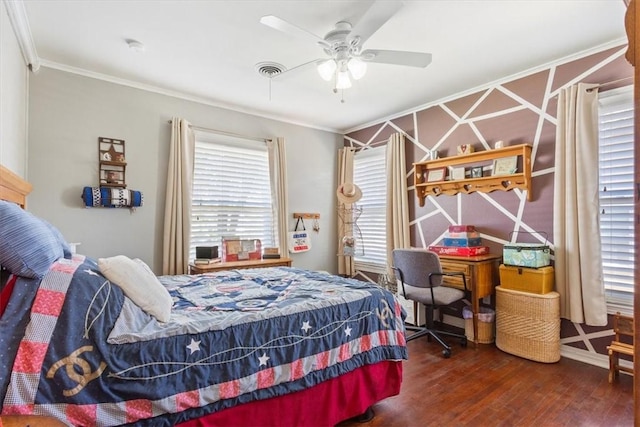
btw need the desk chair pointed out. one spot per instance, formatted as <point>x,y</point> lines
<point>420,275</point>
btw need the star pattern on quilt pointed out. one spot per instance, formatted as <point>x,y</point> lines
<point>306,326</point>
<point>194,346</point>
<point>210,358</point>
<point>263,359</point>
<point>91,272</point>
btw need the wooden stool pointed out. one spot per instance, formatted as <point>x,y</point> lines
<point>622,326</point>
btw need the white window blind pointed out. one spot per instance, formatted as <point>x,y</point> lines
<point>616,196</point>
<point>371,176</point>
<point>231,192</point>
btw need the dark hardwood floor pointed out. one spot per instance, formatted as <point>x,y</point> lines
<point>487,387</point>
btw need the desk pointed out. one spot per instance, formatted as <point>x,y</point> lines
<point>481,273</point>
<point>238,265</point>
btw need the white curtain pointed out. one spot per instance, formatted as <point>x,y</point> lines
<point>578,262</point>
<point>346,265</point>
<point>279,191</point>
<point>397,198</point>
<point>177,211</point>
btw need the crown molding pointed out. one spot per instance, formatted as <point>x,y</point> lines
<point>180,95</point>
<point>584,53</point>
<point>20,23</point>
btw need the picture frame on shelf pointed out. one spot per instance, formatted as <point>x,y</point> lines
<point>456,173</point>
<point>476,172</point>
<point>431,155</point>
<point>436,174</point>
<point>505,166</point>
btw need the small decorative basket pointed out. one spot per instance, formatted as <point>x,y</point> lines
<point>486,323</point>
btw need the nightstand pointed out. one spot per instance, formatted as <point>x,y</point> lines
<point>238,265</point>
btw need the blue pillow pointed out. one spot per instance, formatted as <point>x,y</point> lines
<point>27,245</point>
<point>66,249</point>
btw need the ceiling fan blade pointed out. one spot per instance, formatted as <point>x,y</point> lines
<point>291,71</point>
<point>397,57</point>
<point>374,18</point>
<point>291,29</point>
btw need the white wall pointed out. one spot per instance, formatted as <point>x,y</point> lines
<point>67,114</point>
<point>13,99</point>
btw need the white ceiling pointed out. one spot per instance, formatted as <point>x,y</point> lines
<point>207,50</point>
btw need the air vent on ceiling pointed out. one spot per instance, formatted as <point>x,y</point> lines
<point>270,69</point>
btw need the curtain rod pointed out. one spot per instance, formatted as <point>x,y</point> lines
<point>612,82</point>
<point>222,132</point>
<point>598,86</point>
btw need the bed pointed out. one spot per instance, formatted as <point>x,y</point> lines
<point>90,342</point>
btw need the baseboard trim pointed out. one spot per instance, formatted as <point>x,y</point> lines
<point>585,356</point>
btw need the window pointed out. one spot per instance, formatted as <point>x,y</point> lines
<point>371,176</point>
<point>616,196</point>
<point>231,192</point>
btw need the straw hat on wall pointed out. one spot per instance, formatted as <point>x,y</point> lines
<point>349,193</point>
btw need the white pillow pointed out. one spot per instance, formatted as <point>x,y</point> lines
<point>139,284</point>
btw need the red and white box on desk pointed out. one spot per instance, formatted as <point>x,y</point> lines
<point>460,250</point>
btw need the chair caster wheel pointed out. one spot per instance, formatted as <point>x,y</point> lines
<point>446,353</point>
<point>463,342</point>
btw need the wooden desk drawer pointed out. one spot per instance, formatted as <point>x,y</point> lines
<point>456,267</point>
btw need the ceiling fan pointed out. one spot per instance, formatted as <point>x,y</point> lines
<point>343,45</point>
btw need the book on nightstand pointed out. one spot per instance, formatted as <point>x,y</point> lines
<point>271,253</point>
<point>206,261</point>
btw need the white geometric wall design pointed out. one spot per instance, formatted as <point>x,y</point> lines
<point>513,216</point>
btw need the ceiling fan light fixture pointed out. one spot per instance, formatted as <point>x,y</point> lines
<point>327,69</point>
<point>357,67</point>
<point>342,80</point>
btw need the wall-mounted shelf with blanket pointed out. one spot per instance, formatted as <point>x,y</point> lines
<point>111,191</point>
<point>484,171</point>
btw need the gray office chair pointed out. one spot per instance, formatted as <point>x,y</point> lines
<point>420,275</point>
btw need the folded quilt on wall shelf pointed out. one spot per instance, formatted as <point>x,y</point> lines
<point>111,197</point>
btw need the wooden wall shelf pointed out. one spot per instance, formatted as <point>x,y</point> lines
<point>112,162</point>
<point>485,184</point>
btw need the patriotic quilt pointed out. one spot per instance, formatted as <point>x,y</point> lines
<point>77,349</point>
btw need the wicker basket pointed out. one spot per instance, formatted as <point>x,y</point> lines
<point>485,331</point>
<point>528,325</point>
<point>486,324</point>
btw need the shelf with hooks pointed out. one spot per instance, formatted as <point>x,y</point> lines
<point>306,215</point>
<point>427,185</point>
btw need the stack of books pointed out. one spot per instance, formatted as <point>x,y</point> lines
<point>461,240</point>
<point>206,261</point>
<point>271,253</point>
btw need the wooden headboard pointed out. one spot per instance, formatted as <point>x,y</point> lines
<point>13,188</point>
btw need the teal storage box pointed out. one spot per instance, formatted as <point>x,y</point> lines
<point>526,255</point>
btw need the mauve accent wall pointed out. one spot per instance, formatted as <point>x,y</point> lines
<point>518,111</point>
